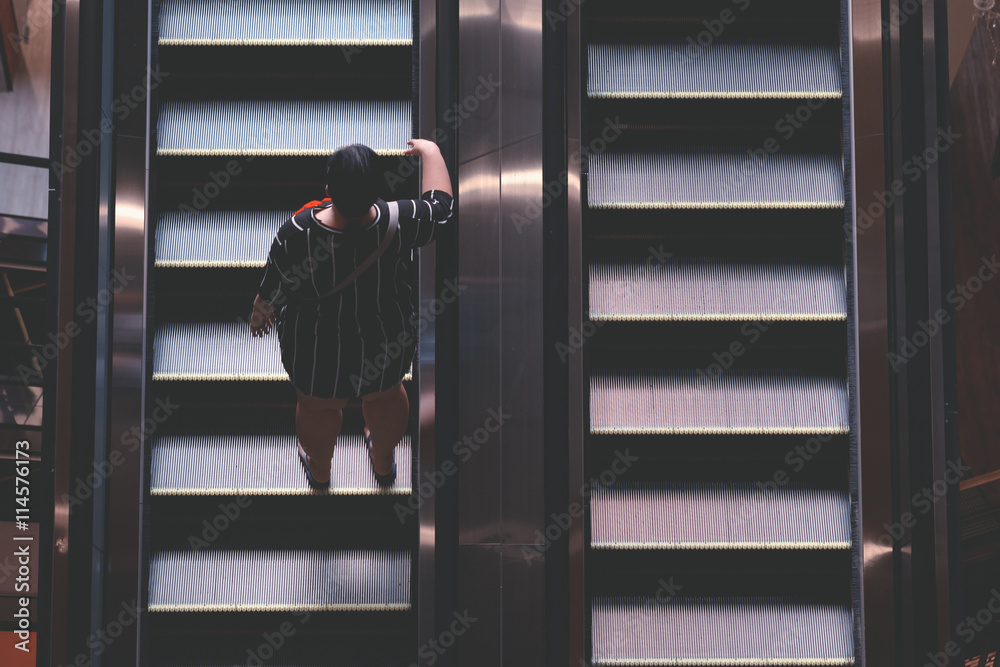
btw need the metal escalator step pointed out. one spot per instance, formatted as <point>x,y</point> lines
<point>717,632</point>
<point>276,127</point>
<point>715,289</point>
<point>739,402</point>
<point>279,580</point>
<point>216,351</point>
<point>724,70</point>
<point>731,179</point>
<point>204,239</point>
<point>718,516</point>
<point>255,464</point>
<point>292,23</point>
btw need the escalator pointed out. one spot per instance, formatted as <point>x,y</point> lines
<point>245,563</point>
<point>722,492</point>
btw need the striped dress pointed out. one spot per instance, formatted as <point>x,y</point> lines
<point>362,339</point>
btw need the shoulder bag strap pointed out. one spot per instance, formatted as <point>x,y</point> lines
<point>390,234</point>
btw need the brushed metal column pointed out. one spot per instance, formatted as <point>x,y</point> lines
<point>501,504</point>
<point>875,494</point>
<point>124,585</point>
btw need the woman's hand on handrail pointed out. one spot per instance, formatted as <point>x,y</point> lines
<point>434,172</point>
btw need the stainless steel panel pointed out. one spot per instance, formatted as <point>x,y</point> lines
<point>524,627</point>
<point>426,377</point>
<point>480,576</point>
<point>875,494</point>
<point>480,352</point>
<point>578,419</point>
<point>127,389</point>
<point>521,67</point>
<point>476,114</point>
<point>521,367</point>
<point>57,436</point>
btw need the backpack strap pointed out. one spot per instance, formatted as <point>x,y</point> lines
<point>390,234</point>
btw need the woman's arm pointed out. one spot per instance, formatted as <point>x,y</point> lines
<point>434,173</point>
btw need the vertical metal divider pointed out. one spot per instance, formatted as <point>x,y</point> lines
<point>54,548</point>
<point>127,378</point>
<point>874,499</point>
<point>850,261</point>
<point>577,404</point>
<point>426,62</point>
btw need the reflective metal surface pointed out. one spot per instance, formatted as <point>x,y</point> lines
<point>127,391</point>
<point>500,329</point>
<point>875,493</point>
<point>577,390</point>
<point>58,385</point>
<point>426,377</point>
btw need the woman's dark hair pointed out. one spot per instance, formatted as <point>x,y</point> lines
<point>352,179</point>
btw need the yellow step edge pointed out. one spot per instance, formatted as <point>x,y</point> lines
<point>715,95</point>
<point>742,546</point>
<point>237,491</point>
<point>283,41</point>
<point>722,662</point>
<point>224,377</point>
<point>719,205</point>
<point>719,317</point>
<point>776,430</point>
<point>258,152</point>
<point>394,606</point>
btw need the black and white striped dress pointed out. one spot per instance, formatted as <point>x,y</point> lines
<point>361,339</point>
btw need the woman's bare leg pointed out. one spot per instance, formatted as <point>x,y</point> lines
<point>317,423</point>
<point>386,414</point>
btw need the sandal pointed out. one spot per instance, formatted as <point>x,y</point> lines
<point>319,486</point>
<point>383,480</point>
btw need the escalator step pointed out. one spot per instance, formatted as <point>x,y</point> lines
<point>290,23</point>
<point>713,289</point>
<point>715,179</point>
<point>216,351</point>
<point>718,516</point>
<point>720,631</point>
<point>263,464</point>
<point>205,239</point>
<point>279,580</point>
<point>734,402</point>
<point>275,127</point>
<point>749,70</point>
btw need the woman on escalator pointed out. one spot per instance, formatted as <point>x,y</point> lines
<point>338,288</point>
